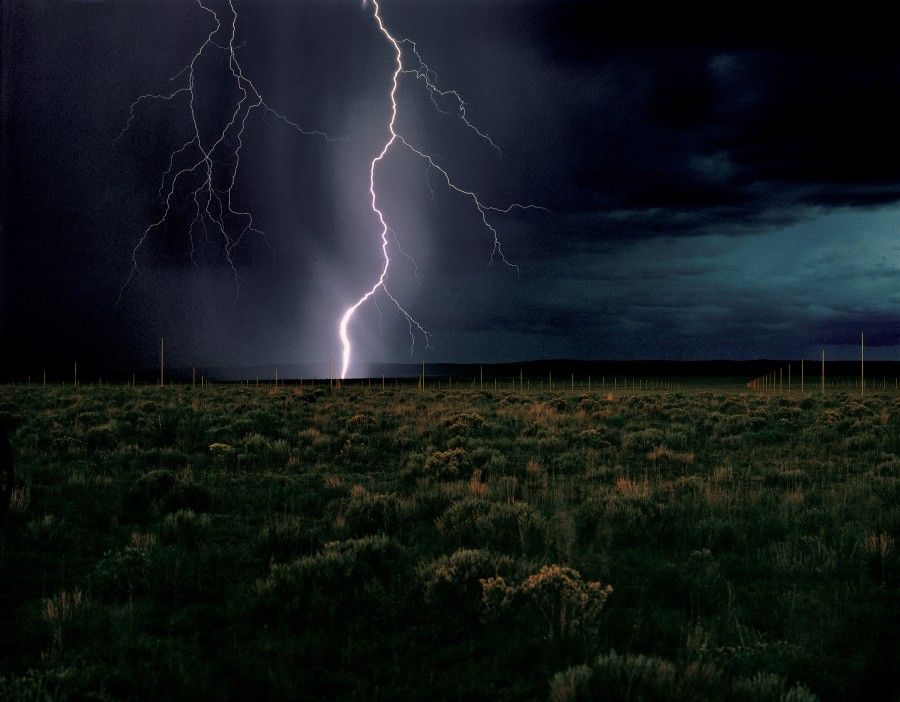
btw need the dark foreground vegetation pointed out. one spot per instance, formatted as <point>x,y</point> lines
<point>237,542</point>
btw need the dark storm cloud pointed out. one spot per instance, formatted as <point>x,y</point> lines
<point>715,119</point>
<point>722,181</point>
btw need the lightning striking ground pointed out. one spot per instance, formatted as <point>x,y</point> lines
<point>421,72</point>
<point>209,168</point>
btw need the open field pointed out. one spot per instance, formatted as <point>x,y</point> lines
<point>234,542</point>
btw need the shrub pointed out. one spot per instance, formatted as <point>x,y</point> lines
<point>451,464</point>
<point>185,528</point>
<point>617,677</point>
<point>160,490</point>
<point>663,454</point>
<point>642,440</point>
<point>639,678</point>
<point>475,523</point>
<point>453,583</point>
<point>480,456</point>
<point>367,513</point>
<point>289,535</point>
<point>555,604</point>
<point>463,422</point>
<point>101,436</point>
<point>53,684</point>
<point>619,520</point>
<point>571,684</point>
<point>223,454</point>
<point>48,532</point>
<point>153,486</point>
<point>356,449</point>
<point>568,463</point>
<point>121,574</point>
<point>346,577</point>
<point>597,437</point>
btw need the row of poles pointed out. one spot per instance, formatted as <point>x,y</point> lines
<point>774,381</point>
<point>522,383</point>
<point>497,383</point>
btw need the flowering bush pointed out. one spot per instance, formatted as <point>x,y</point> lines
<point>454,582</point>
<point>557,603</point>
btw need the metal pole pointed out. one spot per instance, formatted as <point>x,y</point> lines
<point>862,364</point>
<point>823,371</point>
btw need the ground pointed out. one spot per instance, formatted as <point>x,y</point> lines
<point>232,541</point>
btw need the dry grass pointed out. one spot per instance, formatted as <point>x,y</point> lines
<point>663,454</point>
<point>476,487</point>
<point>880,544</point>
<point>20,500</point>
<point>636,489</point>
<point>59,611</point>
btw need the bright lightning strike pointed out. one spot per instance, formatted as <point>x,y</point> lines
<point>420,71</point>
<point>209,168</point>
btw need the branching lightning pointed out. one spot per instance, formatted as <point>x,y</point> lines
<point>419,70</point>
<point>205,169</point>
<point>209,168</point>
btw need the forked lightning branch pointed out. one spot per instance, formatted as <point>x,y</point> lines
<point>206,171</point>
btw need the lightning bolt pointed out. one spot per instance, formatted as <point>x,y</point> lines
<point>209,168</point>
<point>420,71</point>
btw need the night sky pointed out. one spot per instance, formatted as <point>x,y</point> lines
<point>721,183</point>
